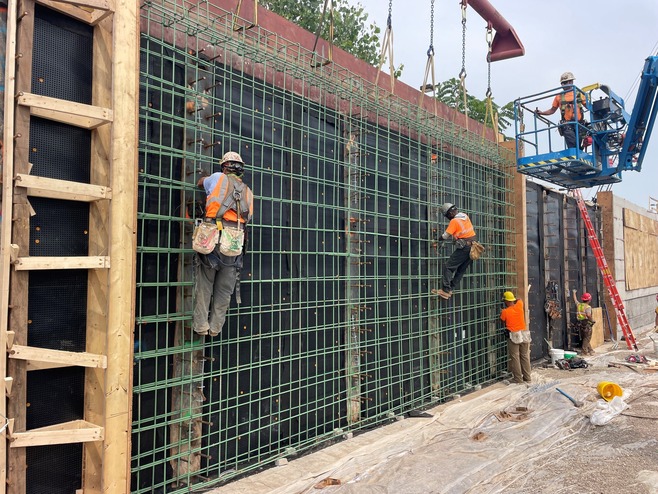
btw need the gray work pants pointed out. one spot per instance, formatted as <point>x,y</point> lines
<point>215,276</point>
<point>519,361</point>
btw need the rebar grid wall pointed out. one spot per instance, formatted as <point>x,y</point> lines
<point>337,330</point>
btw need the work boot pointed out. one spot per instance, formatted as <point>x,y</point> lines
<point>441,293</point>
<point>202,330</point>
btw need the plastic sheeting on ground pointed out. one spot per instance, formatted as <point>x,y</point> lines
<point>487,442</point>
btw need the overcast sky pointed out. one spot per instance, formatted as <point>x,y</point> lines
<point>607,42</point>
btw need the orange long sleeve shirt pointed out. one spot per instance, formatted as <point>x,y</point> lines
<point>514,316</point>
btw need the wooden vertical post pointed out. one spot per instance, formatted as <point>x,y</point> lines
<point>20,236</point>
<point>187,400</point>
<point>99,244</point>
<point>520,230</point>
<point>434,324</point>
<point>123,226</point>
<point>5,227</point>
<point>351,177</point>
<point>606,201</point>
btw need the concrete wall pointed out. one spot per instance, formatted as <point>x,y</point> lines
<point>640,303</point>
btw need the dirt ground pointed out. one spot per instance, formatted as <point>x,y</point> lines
<point>619,457</point>
<point>502,439</point>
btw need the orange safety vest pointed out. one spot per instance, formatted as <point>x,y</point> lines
<point>461,227</point>
<point>229,194</point>
<point>566,106</point>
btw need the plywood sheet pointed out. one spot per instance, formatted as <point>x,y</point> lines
<point>641,259</point>
<point>597,329</point>
<point>632,219</point>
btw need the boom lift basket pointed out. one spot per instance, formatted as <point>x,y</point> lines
<point>611,142</point>
<point>542,153</point>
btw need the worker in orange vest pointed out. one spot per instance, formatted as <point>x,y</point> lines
<point>461,231</point>
<point>564,101</point>
<point>518,344</point>
<point>229,205</point>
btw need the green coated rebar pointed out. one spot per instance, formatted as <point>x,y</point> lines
<point>337,330</point>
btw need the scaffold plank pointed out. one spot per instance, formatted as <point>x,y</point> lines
<point>62,189</point>
<point>75,431</point>
<point>47,262</point>
<point>69,112</point>
<point>79,359</point>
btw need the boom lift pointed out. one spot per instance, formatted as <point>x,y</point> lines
<point>611,143</point>
<point>618,143</point>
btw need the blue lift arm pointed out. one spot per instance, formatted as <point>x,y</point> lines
<point>642,118</point>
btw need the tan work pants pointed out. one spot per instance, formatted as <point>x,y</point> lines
<point>519,361</point>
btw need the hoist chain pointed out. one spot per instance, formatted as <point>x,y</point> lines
<point>489,42</point>
<point>462,74</point>
<point>430,50</point>
<point>389,22</point>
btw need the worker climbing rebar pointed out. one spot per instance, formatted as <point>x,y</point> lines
<point>229,206</point>
<point>461,231</point>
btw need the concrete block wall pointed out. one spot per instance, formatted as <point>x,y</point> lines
<point>640,304</point>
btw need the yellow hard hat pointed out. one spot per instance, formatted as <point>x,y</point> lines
<point>509,297</point>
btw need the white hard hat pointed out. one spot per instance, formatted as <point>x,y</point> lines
<point>567,76</point>
<point>232,157</point>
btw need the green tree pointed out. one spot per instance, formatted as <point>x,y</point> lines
<point>351,31</point>
<point>449,92</point>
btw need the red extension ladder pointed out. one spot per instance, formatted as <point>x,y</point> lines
<point>605,271</point>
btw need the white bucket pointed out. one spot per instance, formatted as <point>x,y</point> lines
<point>556,354</point>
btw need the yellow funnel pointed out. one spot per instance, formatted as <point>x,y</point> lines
<point>609,390</point>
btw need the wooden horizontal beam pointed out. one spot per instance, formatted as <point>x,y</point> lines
<point>62,189</point>
<point>70,359</point>
<point>89,4</point>
<point>88,11</point>
<point>76,431</point>
<point>35,263</point>
<point>34,365</point>
<point>69,112</point>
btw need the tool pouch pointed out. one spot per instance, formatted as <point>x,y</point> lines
<point>476,250</point>
<point>231,241</point>
<point>560,127</point>
<point>205,237</point>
